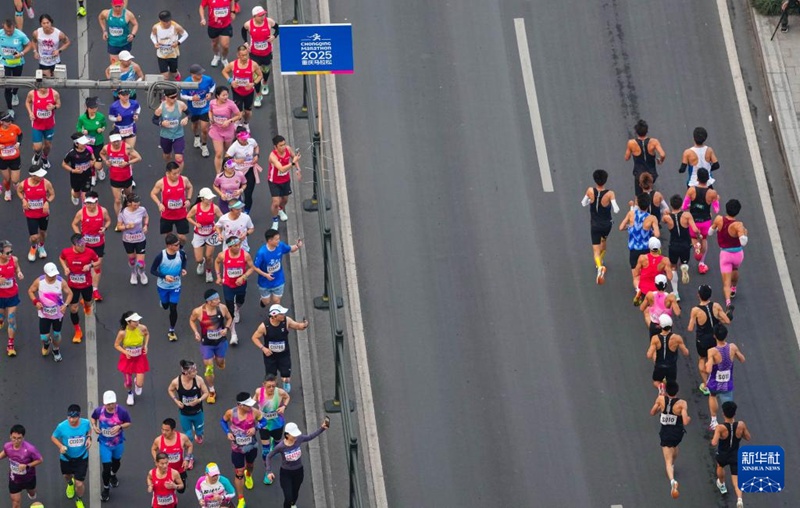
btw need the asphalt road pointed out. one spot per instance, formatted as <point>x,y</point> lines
<point>37,391</point>
<point>507,377</point>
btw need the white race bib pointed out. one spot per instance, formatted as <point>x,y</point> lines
<point>293,455</point>
<point>15,467</point>
<point>199,103</point>
<point>221,12</point>
<point>215,334</point>
<point>76,441</point>
<point>43,113</point>
<point>277,347</point>
<point>261,45</point>
<point>271,415</point>
<point>172,123</point>
<point>667,419</point>
<point>36,204</point>
<point>723,376</point>
<point>115,31</point>
<point>243,440</point>
<point>117,162</point>
<point>234,273</point>
<point>83,166</point>
<point>188,400</point>
<point>107,432</point>
<point>125,130</point>
<point>165,500</point>
<point>7,283</point>
<point>77,278</point>
<point>134,237</point>
<point>173,458</point>
<point>91,239</point>
<point>175,204</point>
<point>205,229</point>
<point>8,151</point>
<point>165,49</point>
<point>219,119</point>
<point>50,311</point>
<point>134,351</point>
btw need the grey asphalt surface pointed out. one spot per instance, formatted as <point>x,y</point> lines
<point>37,391</point>
<point>506,376</point>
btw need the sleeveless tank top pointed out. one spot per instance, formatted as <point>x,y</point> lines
<point>91,226</point>
<point>8,271</point>
<point>637,235</point>
<point>277,337</point>
<point>665,357</point>
<point>187,395</point>
<point>241,77</point>
<point>174,452</point>
<point>51,297</point>
<point>679,235</point>
<point>659,308</point>
<point>170,267</point>
<point>174,129</point>
<point>211,331</point>
<point>206,219</point>
<point>173,197</point>
<point>600,215</point>
<point>654,210</point>
<point>162,496</point>
<point>644,161</point>
<point>43,118</point>
<point>699,208</point>
<point>671,424</point>
<point>647,277</point>
<point>118,171</point>
<point>166,37</point>
<point>705,332</point>
<point>269,406</point>
<point>118,29</point>
<point>721,378</point>
<point>730,445</point>
<point>724,238</point>
<point>275,176</point>
<point>133,342</point>
<point>259,36</point>
<point>700,151</point>
<point>36,196</point>
<point>242,443</point>
<point>48,44</point>
<point>234,268</point>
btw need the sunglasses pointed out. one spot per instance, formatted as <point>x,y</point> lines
<point>8,252</point>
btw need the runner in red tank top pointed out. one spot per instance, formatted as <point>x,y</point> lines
<point>41,105</point>
<point>221,14</point>
<point>173,195</point>
<point>203,215</point>
<point>243,74</point>
<point>650,265</point>
<point>119,158</point>
<point>162,482</point>
<point>178,448</point>
<point>263,31</point>
<point>279,177</point>
<point>36,194</point>
<point>78,262</point>
<point>93,221</point>
<point>233,267</point>
<point>732,239</point>
<point>9,292</point>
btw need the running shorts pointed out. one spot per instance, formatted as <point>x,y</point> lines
<point>679,253</point>
<point>600,233</point>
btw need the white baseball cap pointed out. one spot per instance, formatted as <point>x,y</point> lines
<point>205,193</point>
<point>661,279</point>
<point>258,10</point>
<point>109,397</point>
<point>50,269</point>
<point>125,55</point>
<point>292,429</point>
<point>37,171</point>
<point>276,309</point>
<point>664,321</point>
<point>134,317</point>
<point>653,243</point>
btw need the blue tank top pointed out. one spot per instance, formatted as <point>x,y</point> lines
<point>169,267</point>
<point>175,129</point>
<point>637,235</point>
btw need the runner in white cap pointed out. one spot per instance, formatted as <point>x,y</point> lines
<point>291,462</point>
<point>663,351</point>
<point>272,339</point>
<point>131,342</point>
<point>202,216</point>
<point>50,295</point>
<point>240,424</point>
<point>36,193</point>
<point>109,421</point>
<point>647,267</point>
<point>659,303</point>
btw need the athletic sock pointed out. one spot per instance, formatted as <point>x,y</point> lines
<point>674,280</point>
<point>703,260</point>
<point>597,261</point>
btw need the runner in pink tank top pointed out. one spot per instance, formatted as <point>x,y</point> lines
<point>658,303</point>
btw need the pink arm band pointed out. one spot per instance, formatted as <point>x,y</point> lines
<point>686,202</point>
<point>715,206</point>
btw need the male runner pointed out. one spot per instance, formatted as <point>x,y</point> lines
<point>221,14</point>
<point>281,160</point>
<point>92,221</point>
<point>36,193</point>
<point>647,267</point>
<point>697,157</point>
<point>720,371</point>
<point>674,416</point>
<point>233,266</point>
<point>658,303</point>
<point>727,438</point>
<point>109,421</point>
<point>78,262</point>
<point>175,199</point>
<point>23,458</point>
<point>701,200</point>
<point>177,447</point>
<point>42,104</point>
<point>663,351</point>
<point>73,438</point>
<point>272,339</point>
<point>167,36</point>
<point>119,26</point>
<point>214,321</point>
<point>269,267</point>
<point>641,227</point>
<point>646,153</point>
<point>169,266</point>
<point>240,424</point>
<point>705,316</point>
<point>50,294</point>
<point>602,201</point>
<point>198,101</point>
<point>732,239</point>
<point>680,224</point>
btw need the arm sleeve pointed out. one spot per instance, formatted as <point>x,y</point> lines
<point>197,491</point>
<point>686,202</point>
<point>229,490</point>
<point>153,37</point>
<point>183,259</point>
<point>154,268</point>
<point>183,36</point>
<point>245,34</point>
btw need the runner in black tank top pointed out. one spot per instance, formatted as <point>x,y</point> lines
<point>673,415</point>
<point>700,209</point>
<point>188,390</point>
<point>272,338</point>
<point>665,360</point>
<point>727,442</point>
<point>188,395</point>
<point>710,313</point>
<point>643,163</point>
<point>599,218</point>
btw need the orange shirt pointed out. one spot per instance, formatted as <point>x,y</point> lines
<point>8,142</point>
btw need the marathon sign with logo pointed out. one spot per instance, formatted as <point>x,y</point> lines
<point>317,49</point>
<point>761,469</point>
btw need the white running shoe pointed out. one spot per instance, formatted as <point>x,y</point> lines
<point>201,266</point>
<point>75,200</point>
<point>137,390</point>
<point>684,273</point>
<point>42,252</point>
<point>713,424</point>
<point>283,215</point>
<point>215,61</point>
<point>204,151</point>
<point>723,489</point>
<point>197,142</point>
<point>236,313</point>
<point>7,195</point>
<point>15,100</point>
<point>134,279</point>
<point>739,503</point>
<point>143,278</point>
<point>265,90</point>
<point>225,62</point>
<point>101,174</point>
<point>257,101</point>
<point>130,398</point>
<point>94,181</point>
<point>275,225</point>
<point>209,276</point>
<point>234,338</point>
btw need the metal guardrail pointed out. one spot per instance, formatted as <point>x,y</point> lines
<point>330,299</point>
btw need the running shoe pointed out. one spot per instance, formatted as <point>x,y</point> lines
<point>674,489</point>
<point>684,273</point>
<point>225,62</point>
<point>204,151</point>
<point>198,439</point>
<point>45,163</point>
<point>242,503</point>
<point>143,278</point>
<point>134,279</point>
<point>601,272</point>
<point>677,296</point>
<point>287,386</point>
<point>79,503</point>
<point>739,503</point>
<point>87,308</point>
<point>212,398</point>
<point>101,174</point>
<point>702,268</point>
<point>201,266</point>
<point>114,481</point>
<point>265,89</point>
<point>70,489</point>
<point>7,195</point>
<point>704,389</point>
<point>172,336</point>
<point>713,424</point>
<point>130,400</point>
<point>236,316</point>
<point>733,291</point>
<point>209,276</point>
<point>257,101</point>
<point>14,100</point>
<point>57,355</point>
<point>10,351</point>
<point>697,254</point>
<point>248,479</point>
<point>137,390</point>
<point>94,180</point>
<point>96,296</point>
<point>723,489</point>
<point>283,215</point>
<point>78,337</point>
<point>178,76</point>
<point>729,311</point>
<point>45,348</point>
<point>30,12</point>
<point>42,252</point>
<point>638,299</point>
<point>197,142</point>
<point>215,61</point>
<point>661,389</point>
<point>75,201</point>
<point>234,338</point>
<point>267,481</point>
<point>133,183</point>
<point>81,14</point>
<point>105,494</point>
<point>275,223</point>
<point>32,254</point>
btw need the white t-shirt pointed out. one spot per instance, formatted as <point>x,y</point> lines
<point>236,227</point>
<point>239,152</point>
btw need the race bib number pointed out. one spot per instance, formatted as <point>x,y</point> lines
<point>165,49</point>
<point>219,119</point>
<point>115,31</point>
<point>134,237</point>
<point>274,268</point>
<point>91,140</point>
<point>243,440</point>
<point>165,500</point>
<point>667,419</point>
<point>77,278</point>
<point>134,351</point>
<point>36,204</point>
<point>174,204</point>
<point>234,273</point>
<point>215,334</point>
<point>9,51</point>
<point>199,103</point>
<point>83,166</point>
<point>50,310</point>
<point>173,458</point>
<point>15,467</point>
<point>188,400</point>
<point>107,432</point>
<point>277,347</point>
<point>205,229</point>
<point>172,123</point>
<point>91,239</point>
<point>8,151</point>
<point>723,376</point>
<point>75,442</point>
<point>43,113</point>
<point>125,130</point>
<point>261,45</point>
<point>293,455</point>
<point>117,162</point>
<point>7,283</point>
<point>221,12</point>
<point>240,82</point>
<point>271,415</point>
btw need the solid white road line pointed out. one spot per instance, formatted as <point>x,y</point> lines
<point>83,57</point>
<point>370,445</point>
<point>758,169</point>
<point>533,104</point>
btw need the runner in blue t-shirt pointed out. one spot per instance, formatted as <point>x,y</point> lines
<point>269,267</point>
<point>13,46</point>
<point>73,438</point>
<point>198,102</point>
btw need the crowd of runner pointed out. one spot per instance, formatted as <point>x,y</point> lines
<point>691,218</point>
<point>104,148</point>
